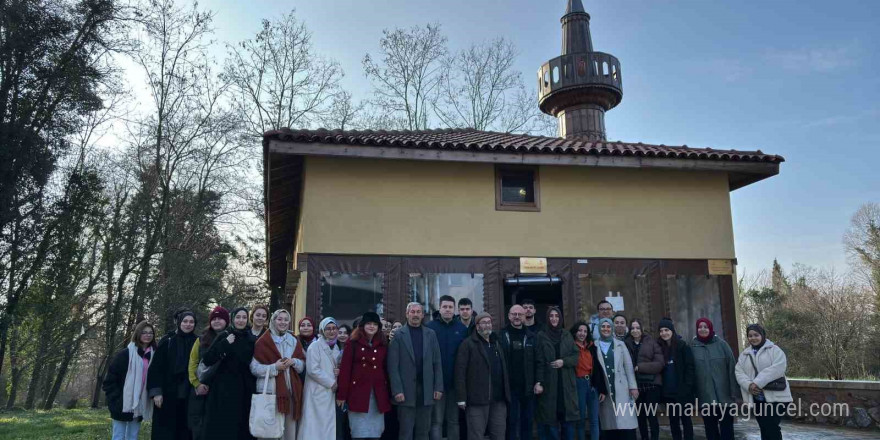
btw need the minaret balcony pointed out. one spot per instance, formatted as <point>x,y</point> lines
<point>593,77</point>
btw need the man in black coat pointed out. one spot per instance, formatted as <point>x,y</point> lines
<point>518,344</point>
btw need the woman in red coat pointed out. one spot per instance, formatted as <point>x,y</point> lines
<point>363,380</point>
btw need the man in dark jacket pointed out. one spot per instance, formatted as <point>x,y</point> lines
<point>481,381</point>
<point>518,344</point>
<point>466,313</point>
<point>450,334</point>
<point>415,373</point>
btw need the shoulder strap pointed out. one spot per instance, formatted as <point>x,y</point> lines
<point>751,358</point>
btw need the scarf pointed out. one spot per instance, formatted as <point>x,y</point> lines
<point>324,322</point>
<point>610,337</point>
<point>307,340</point>
<point>266,353</point>
<point>134,396</point>
<point>555,333</point>
<point>182,344</point>
<point>711,336</point>
<point>760,330</point>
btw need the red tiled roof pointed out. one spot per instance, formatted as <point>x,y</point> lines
<point>472,140</point>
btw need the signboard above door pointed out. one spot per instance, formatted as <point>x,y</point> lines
<point>720,267</point>
<point>532,265</point>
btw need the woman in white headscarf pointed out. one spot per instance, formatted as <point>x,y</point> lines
<point>278,352</point>
<point>322,368</point>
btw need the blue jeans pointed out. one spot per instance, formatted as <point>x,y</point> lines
<point>588,402</point>
<point>125,430</point>
<point>520,412</point>
<point>551,432</point>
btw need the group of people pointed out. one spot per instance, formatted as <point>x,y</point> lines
<point>452,377</point>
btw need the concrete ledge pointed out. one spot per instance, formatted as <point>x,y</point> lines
<point>835,384</point>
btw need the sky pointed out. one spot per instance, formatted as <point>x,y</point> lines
<point>796,78</point>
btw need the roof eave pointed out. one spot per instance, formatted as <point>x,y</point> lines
<point>740,172</point>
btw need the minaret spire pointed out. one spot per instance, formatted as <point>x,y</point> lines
<point>579,86</point>
<point>576,29</point>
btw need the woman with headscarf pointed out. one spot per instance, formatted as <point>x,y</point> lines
<point>167,380</point>
<point>761,363</point>
<point>227,410</point>
<point>218,320</point>
<point>617,416</point>
<point>716,386</point>
<point>258,320</point>
<point>278,352</point>
<point>363,382</point>
<point>306,333</point>
<point>322,368</point>
<point>678,380</point>
<point>125,384</point>
<point>648,364</point>
<point>556,357</point>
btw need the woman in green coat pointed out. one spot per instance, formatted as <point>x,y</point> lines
<point>556,358</point>
<point>716,383</point>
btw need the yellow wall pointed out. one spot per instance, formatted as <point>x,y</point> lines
<point>396,207</point>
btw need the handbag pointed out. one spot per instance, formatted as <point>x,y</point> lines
<point>776,384</point>
<point>205,373</point>
<point>265,420</point>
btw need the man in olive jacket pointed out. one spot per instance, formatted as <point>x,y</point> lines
<point>481,381</point>
<point>416,374</point>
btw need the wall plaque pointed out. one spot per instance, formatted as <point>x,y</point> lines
<point>533,265</point>
<point>720,267</point>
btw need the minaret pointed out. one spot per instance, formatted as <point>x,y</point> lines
<point>579,86</point>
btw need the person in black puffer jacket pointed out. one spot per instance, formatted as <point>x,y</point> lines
<point>678,380</point>
<point>648,363</point>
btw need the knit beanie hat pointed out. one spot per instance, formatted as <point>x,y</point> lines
<point>219,312</point>
<point>666,323</point>
<point>482,316</point>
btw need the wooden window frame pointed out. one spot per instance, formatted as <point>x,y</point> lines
<point>500,170</point>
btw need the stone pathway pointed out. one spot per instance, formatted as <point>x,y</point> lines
<point>790,431</point>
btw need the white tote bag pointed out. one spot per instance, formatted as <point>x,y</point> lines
<point>265,420</point>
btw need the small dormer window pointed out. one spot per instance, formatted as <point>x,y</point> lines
<point>517,189</point>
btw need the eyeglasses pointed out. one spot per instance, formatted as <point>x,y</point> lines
<point>605,309</point>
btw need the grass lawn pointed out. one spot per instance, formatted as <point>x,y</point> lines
<point>60,424</point>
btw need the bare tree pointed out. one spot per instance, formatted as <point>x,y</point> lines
<point>407,76</point>
<point>345,114</point>
<point>185,98</point>
<point>862,242</point>
<point>480,88</point>
<point>278,80</point>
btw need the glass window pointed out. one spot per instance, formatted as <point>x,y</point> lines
<point>632,288</point>
<point>691,297</point>
<point>428,288</point>
<point>517,189</point>
<point>346,296</point>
